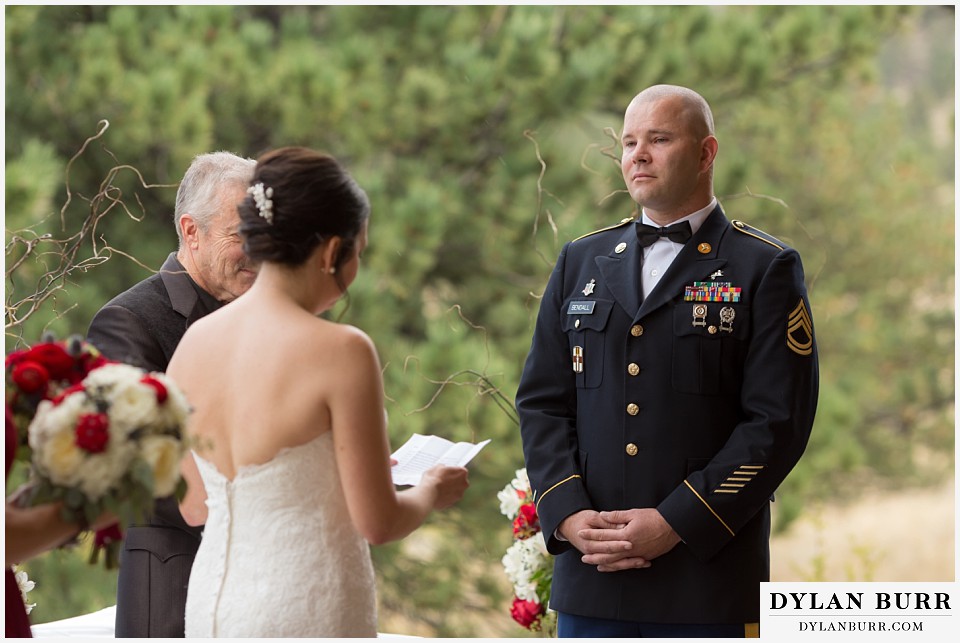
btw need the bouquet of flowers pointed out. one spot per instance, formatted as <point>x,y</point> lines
<point>44,372</point>
<point>527,563</point>
<point>113,442</point>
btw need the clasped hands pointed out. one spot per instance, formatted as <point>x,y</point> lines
<point>617,540</point>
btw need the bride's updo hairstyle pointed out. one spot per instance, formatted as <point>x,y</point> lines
<point>297,199</point>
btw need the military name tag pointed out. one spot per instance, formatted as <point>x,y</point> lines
<point>581,307</point>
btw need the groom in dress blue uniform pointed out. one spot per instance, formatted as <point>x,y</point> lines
<point>143,326</point>
<point>670,387</point>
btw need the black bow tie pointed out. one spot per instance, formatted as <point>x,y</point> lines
<point>678,233</point>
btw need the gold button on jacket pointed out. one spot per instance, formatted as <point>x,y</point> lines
<point>633,409</point>
<point>632,449</point>
<point>636,330</point>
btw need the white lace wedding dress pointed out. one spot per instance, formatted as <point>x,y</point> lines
<point>279,555</point>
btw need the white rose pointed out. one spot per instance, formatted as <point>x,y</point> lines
<point>60,459</point>
<point>132,406</point>
<point>102,472</point>
<point>51,419</point>
<point>110,375</point>
<point>175,410</point>
<point>163,454</point>
<point>52,436</point>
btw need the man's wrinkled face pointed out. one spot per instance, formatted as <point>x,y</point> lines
<point>224,270</point>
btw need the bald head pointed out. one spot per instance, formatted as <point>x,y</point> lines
<point>668,152</point>
<point>695,109</point>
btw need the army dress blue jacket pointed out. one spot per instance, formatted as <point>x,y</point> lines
<point>698,401</point>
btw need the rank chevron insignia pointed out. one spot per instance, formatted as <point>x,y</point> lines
<point>800,330</point>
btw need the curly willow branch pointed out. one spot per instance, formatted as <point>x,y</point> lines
<point>750,194</point>
<point>59,255</point>
<point>482,382</point>
<point>528,134</point>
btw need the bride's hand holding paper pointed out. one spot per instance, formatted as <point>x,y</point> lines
<point>449,484</point>
<point>421,452</point>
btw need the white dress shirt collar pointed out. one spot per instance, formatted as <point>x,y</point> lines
<point>696,219</point>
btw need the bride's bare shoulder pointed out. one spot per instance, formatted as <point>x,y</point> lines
<point>345,336</point>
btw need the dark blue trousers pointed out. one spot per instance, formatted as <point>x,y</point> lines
<point>573,626</point>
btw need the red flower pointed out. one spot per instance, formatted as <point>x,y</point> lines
<point>92,434</point>
<point>158,387</point>
<point>107,540</point>
<point>54,358</point>
<point>15,358</point>
<point>90,361</point>
<point>527,523</point>
<point>107,535</point>
<point>30,377</point>
<point>67,391</point>
<point>527,613</point>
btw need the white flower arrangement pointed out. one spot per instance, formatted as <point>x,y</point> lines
<point>25,585</point>
<point>524,561</point>
<point>527,563</point>
<point>263,197</point>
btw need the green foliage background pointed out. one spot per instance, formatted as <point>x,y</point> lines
<point>484,137</point>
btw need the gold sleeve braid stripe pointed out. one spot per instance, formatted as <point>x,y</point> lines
<point>544,494</point>
<point>707,505</point>
<point>739,478</point>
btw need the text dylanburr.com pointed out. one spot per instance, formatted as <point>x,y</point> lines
<point>858,611</point>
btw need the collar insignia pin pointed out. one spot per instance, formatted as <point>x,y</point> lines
<point>588,289</point>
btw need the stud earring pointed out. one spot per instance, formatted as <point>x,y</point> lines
<point>332,270</point>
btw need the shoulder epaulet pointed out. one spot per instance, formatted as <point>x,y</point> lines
<point>612,227</point>
<point>756,233</point>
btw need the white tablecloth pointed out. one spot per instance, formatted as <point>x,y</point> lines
<point>97,625</point>
<point>100,625</point>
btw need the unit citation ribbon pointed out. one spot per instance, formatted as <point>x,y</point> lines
<point>712,291</point>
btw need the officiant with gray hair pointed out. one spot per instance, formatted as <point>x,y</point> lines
<point>142,326</point>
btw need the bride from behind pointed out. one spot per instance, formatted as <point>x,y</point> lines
<point>291,465</point>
